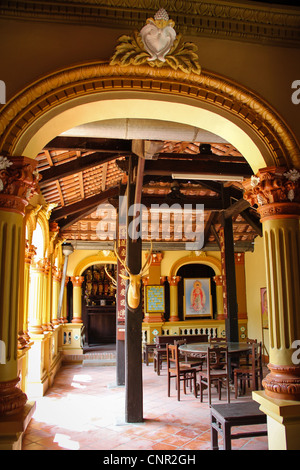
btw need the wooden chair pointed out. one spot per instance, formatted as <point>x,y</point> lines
<point>187,361</point>
<point>217,340</point>
<point>217,371</point>
<point>249,372</point>
<point>179,371</point>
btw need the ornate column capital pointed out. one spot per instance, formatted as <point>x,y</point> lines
<point>218,280</point>
<point>145,280</point>
<point>77,281</point>
<point>56,274</point>
<point>156,258</point>
<point>18,181</point>
<point>239,258</point>
<point>173,280</point>
<point>30,253</point>
<point>276,192</point>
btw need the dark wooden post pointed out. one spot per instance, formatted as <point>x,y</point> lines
<point>133,325</point>
<point>231,319</point>
<point>121,242</point>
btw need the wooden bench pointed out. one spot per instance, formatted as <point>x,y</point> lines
<point>225,416</point>
<point>160,351</point>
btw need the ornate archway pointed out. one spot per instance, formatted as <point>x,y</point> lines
<point>106,90</point>
<point>91,260</point>
<point>46,108</point>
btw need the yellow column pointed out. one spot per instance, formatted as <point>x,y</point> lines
<point>173,281</point>
<point>64,311</point>
<point>77,283</point>
<point>22,342</point>
<point>17,179</point>
<point>56,278</point>
<point>30,252</point>
<point>219,297</point>
<point>46,297</point>
<point>277,193</point>
<point>36,298</point>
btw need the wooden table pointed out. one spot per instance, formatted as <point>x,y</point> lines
<point>235,350</point>
<point>224,417</point>
<point>200,349</point>
<point>148,348</point>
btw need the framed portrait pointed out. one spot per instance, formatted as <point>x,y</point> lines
<point>155,299</point>
<point>197,298</point>
<point>264,307</point>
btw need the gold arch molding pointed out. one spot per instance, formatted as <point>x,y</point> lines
<point>90,261</point>
<point>211,261</point>
<point>98,90</point>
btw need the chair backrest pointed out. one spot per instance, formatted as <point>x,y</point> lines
<point>217,357</point>
<point>161,341</point>
<point>256,355</point>
<point>217,340</point>
<point>251,341</point>
<point>172,356</point>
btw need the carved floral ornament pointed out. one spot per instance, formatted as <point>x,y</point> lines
<point>277,187</point>
<point>158,45</point>
<point>18,181</point>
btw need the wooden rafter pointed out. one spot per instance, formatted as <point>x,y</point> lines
<point>74,166</point>
<point>104,176</point>
<point>85,204</point>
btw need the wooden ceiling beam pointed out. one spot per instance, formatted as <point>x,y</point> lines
<point>85,204</point>
<point>236,208</point>
<point>252,221</point>
<point>89,143</point>
<point>207,228</point>
<point>75,166</point>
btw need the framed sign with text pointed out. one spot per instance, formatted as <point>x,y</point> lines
<point>155,299</point>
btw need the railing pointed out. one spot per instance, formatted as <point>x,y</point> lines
<point>212,328</point>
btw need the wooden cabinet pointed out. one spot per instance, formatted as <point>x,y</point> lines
<point>100,324</point>
<point>99,304</point>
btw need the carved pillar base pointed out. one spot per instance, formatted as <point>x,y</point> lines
<point>283,382</point>
<point>283,421</point>
<point>12,399</point>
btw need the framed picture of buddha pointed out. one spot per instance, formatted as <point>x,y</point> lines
<point>197,298</point>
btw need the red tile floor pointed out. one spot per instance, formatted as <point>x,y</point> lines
<point>84,410</point>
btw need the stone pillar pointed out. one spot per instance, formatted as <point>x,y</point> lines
<point>18,180</point>
<point>173,281</point>
<point>276,191</point>
<point>77,283</point>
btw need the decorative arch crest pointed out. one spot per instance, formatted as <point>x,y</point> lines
<point>90,261</point>
<point>158,70</point>
<point>211,261</point>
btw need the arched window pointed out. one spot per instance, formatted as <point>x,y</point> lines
<point>195,270</point>
<point>38,241</point>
